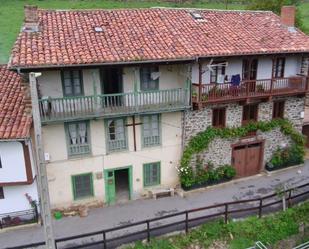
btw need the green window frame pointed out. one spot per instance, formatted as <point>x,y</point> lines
<point>151,130</point>
<point>116,134</point>
<point>82,185</point>
<point>152,174</point>
<point>78,138</point>
<point>72,83</point>
<point>147,83</point>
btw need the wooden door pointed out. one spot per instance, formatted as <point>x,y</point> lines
<point>306,133</point>
<point>239,160</point>
<point>247,159</point>
<point>110,188</point>
<point>253,155</point>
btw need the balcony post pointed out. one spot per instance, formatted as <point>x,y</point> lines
<point>272,74</point>
<point>271,84</point>
<point>95,100</point>
<point>200,79</point>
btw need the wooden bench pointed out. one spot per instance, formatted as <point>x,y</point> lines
<point>160,191</point>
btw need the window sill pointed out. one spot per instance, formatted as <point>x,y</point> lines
<point>151,146</point>
<point>110,152</point>
<point>80,156</point>
<point>90,197</point>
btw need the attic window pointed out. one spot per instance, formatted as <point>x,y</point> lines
<point>98,29</point>
<point>197,16</point>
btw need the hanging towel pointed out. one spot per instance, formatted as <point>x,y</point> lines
<point>235,80</point>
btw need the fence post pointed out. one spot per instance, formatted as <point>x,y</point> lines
<point>260,207</point>
<point>104,240</point>
<point>187,222</point>
<point>1,224</point>
<point>36,213</point>
<point>289,198</point>
<point>226,213</point>
<point>148,231</point>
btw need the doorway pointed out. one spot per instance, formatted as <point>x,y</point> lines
<point>247,159</point>
<point>118,185</point>
<point>305,132</point>
<point>249,72</point>
<point>111,83</point>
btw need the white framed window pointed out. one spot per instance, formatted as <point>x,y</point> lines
<point>116,135</point>
<point>151,130</point>
<point>149,78</point>
<point>78,138</point>
<point>72,83</point>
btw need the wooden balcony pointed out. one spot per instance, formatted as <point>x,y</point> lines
<point>246,90</point>
<point>109,105</point>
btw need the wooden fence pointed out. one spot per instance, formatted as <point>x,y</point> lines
<point>109,238</point>
<point>18,218</point>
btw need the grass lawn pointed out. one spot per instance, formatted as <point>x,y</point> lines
<point>237,235</point>
<point>11,13</point>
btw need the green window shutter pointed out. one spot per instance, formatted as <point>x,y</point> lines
<point>82,186</point>
<point>72,82</point>
<point>116,135</point>
<point>146,81</point>
<point>151,130</point>
<point>78,138</point>
<point>152,174</point>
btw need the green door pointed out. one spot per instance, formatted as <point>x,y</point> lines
<point>110,189</point>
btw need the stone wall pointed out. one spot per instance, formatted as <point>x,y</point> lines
<point>220,150</point>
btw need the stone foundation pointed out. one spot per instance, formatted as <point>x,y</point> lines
<point>220,150</point>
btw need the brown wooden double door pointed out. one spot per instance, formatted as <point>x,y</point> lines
<point>247,159</point>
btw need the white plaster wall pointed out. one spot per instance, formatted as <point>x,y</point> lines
<point>15,199</point>
<point>60,168</point>
<point>292,67</point>
<point>129,76</point>
<point>91,79</point>
<point>50,84</point>
<point>264,68</point>
<point>13,162</point>
<point>172,76</point>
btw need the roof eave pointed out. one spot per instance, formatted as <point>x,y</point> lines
<point>189,59</point>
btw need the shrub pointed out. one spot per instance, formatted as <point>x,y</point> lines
<point>229,171</point>
<point>207,174</point>
<point>286,157</point>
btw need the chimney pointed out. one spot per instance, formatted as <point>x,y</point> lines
<point>31,22</point>
<point>288,15</point>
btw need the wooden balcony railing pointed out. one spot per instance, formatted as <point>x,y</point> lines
<point>70,108</point>
<point>211,93</point>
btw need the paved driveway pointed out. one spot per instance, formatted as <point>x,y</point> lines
<point>134,211</point>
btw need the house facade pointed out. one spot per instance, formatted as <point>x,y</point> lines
<point>272,87</point>
<point>125,141</point>
<point>121,97</point>
<point>17,163</point>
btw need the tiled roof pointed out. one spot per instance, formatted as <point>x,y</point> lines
<point>15,112</point>
<point>69,37</point>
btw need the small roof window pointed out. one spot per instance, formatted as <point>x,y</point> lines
<point>98,29</point>
<point>196,15</point>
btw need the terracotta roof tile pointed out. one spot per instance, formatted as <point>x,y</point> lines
<point>69,38</point>
<point>15,114</point>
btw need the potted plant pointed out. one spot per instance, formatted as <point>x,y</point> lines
<point>194,96</point>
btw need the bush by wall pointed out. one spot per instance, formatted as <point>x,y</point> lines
<point>285,157</point>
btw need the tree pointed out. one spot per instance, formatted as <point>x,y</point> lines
<point>275,6</point>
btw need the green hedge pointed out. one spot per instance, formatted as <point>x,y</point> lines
<point>285,157</point>
<point>201,141</point>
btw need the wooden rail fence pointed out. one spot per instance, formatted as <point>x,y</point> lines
<point>109,238</point>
